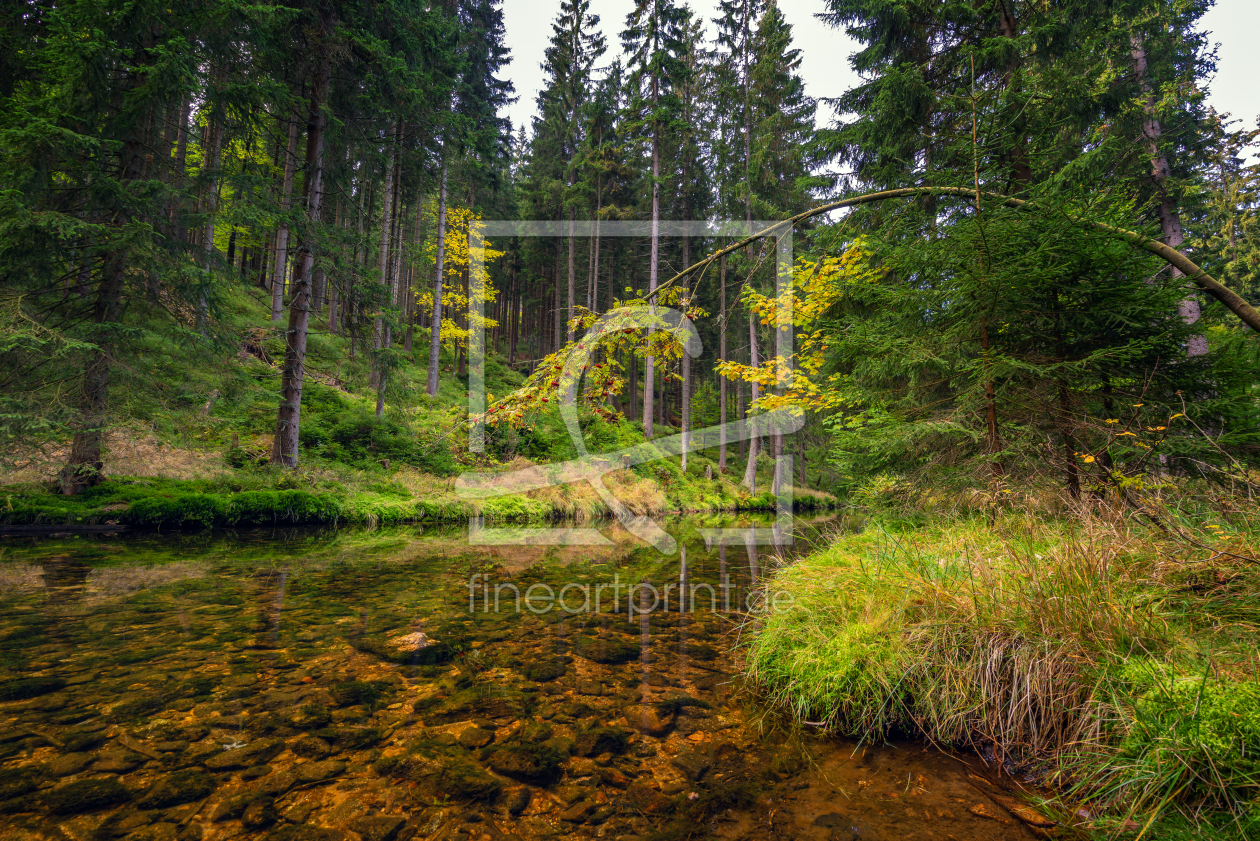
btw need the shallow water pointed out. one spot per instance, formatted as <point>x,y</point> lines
<point>322,685</point>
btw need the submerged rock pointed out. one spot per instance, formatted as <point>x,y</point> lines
<point>314,772</point>
<point>649,719</point>
<point>378,827</point>
<point>518,801</point>
<point>69,763</point>
<point>611,650</point>
<point>260,813</point>
<point>543,671</point>
<point>180,787</point>
<point>258,752</point>
<point>475,737</point>
<point>18,781</point>
<point>29,687</point>
<point>86,795</point>
<point>532,763</point>
<point>600,740</point>
<point>311,747</point>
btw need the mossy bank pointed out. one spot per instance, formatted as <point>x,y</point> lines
<point>1114,663</point>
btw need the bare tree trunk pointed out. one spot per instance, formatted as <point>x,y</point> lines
<point>648,372</point>
<point>435,339</point>
<point>387,221</point>
<point>212,206</point>
<point>572,277</point>
<point>722,356</point>
<point>754,443</point>
<point>282,233</point>
<point>1169,220</point>
<point>285,448</point>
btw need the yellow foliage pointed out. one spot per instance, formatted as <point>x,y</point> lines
<point>459,282</point>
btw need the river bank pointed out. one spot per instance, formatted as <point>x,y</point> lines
<point>1111,661</point>
<point>324,495</point>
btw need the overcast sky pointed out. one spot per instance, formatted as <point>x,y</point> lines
<point>1234,24</point>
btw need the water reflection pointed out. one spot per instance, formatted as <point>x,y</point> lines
<point>311,684</point>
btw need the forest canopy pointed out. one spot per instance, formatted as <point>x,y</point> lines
<point>190,190</point>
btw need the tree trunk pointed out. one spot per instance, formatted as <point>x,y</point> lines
<point>722,357</point>
<point>85,466</point>
<point>212,206</point>
<point>282,233</point>
<point>285,447</point>
<point>648,372</point>
<point>387,220</point>
<point>435,339</point>
<point>754,443</point>
<point>1169,220</point>
<point>572,278</point>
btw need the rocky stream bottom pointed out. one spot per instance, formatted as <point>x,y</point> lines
<point>311,689</point>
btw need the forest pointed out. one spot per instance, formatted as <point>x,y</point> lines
<point>1008,297</point>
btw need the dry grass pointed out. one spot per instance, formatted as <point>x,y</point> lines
<point>130,450</point>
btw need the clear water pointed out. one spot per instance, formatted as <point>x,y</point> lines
<point>328,685</point>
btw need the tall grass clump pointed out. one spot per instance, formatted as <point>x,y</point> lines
<point>1117,660</point>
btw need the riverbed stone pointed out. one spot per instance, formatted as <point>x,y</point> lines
<point>648,800</point>
<point>180,787</point>
<point>86,795</point>
<point>528,762</point>
<point>610,650</point>
<point>306,832</point>
<point>260,813</point>
<point>598,740</point>
<point>29,687</point>
<point>475,737</point>
<point>543,671</point>
<point>693,764</point>
<point>163,831</point>
<point>649,719</point>
<point>314,772</point>
<point>18,781</point>
<point>69,763</point>
<point>117,762</point>
<point>378,827</point>
<point>518,800</point>
<point>257,752</point>
<point>310,717</point>
<point>311,747</point>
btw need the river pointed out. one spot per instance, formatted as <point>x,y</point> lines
<point>316,685</point>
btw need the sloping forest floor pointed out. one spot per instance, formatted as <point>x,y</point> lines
<point>191,443</point>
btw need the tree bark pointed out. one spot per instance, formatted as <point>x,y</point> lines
<point>1161,172</point>
<point>387,220</point>
<point>285,447</point>
<point>754,443</point>
<point>435,339</point>
<point>648,371</point>
<point>212,206</point>
<point>722,356</point>
<point>282,233</point>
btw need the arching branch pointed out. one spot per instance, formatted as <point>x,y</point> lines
<point>1232,300</point>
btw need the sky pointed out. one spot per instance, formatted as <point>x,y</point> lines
<point>1233,24</point>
